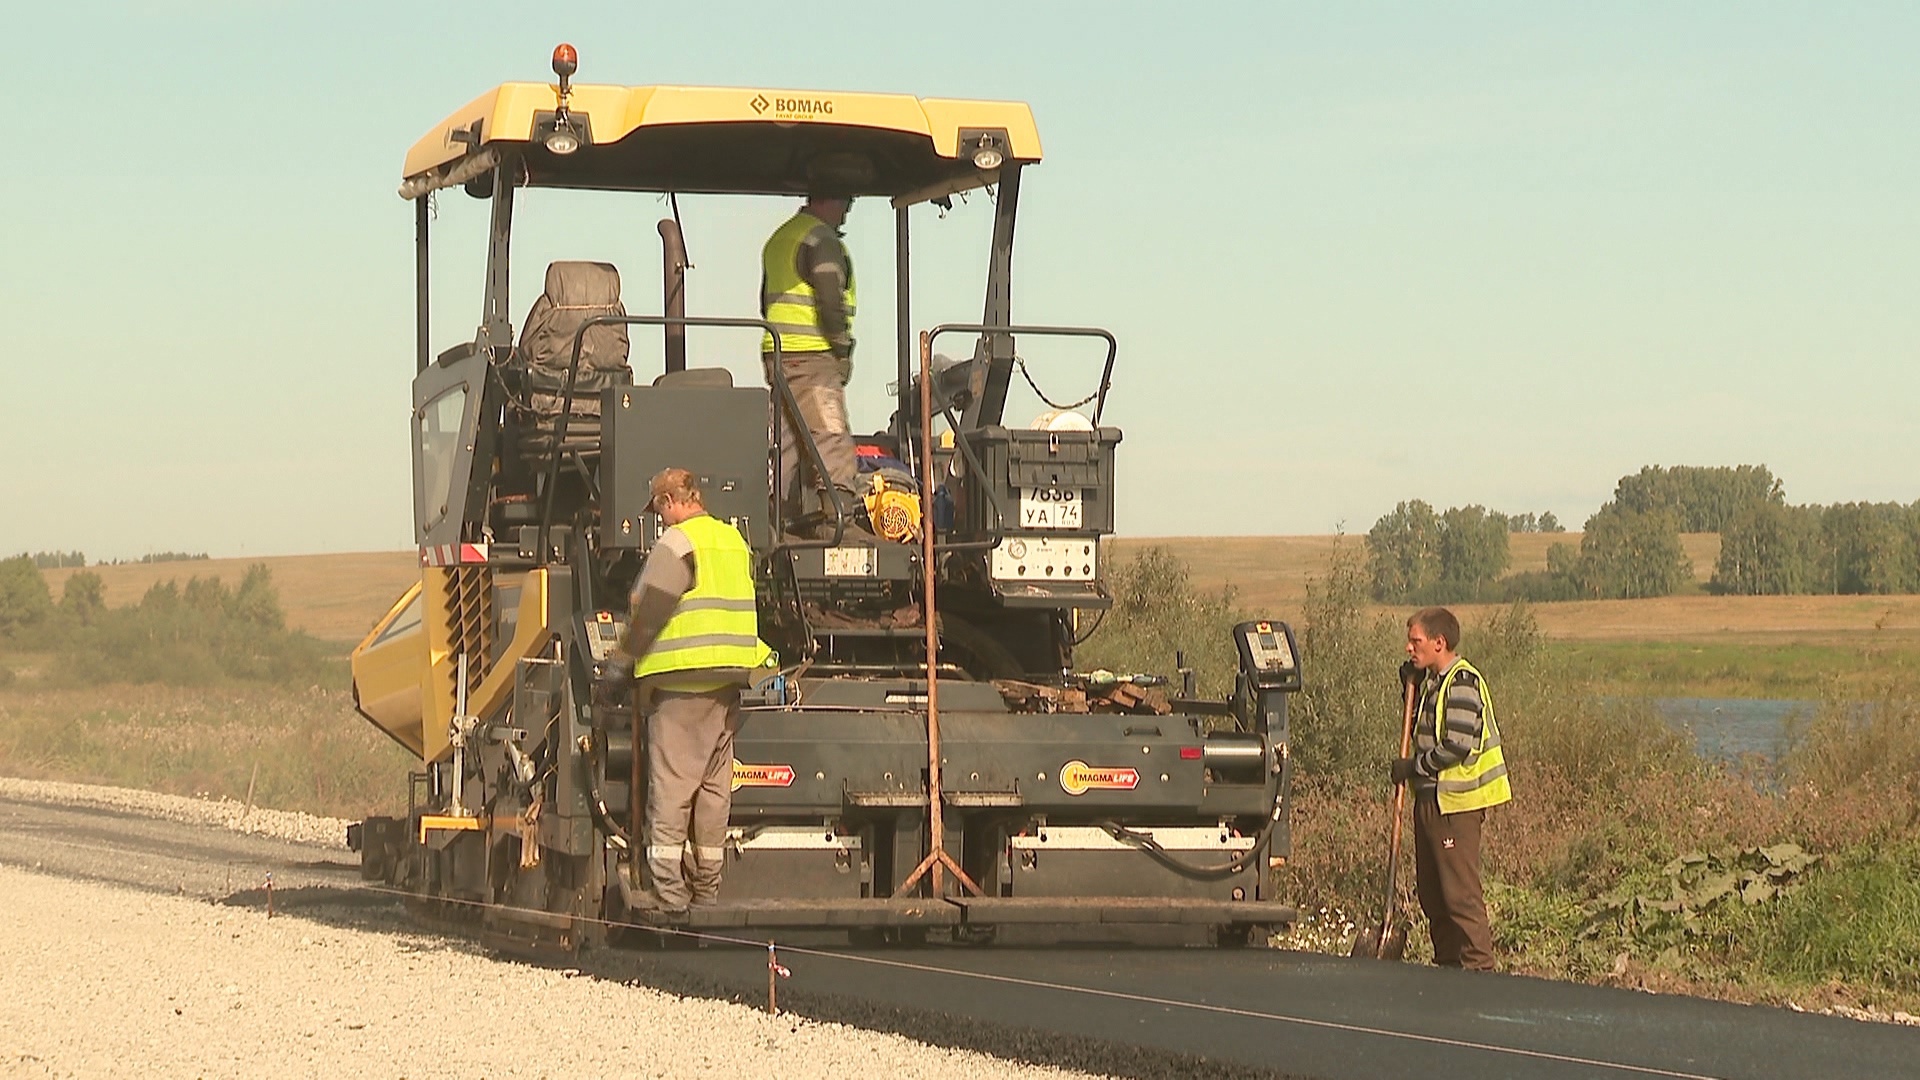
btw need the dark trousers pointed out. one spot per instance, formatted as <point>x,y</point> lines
<point>1446,862</point>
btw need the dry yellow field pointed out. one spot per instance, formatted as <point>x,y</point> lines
<point>338,597</point>
<point>1269,575</point>
<point>334,597</point>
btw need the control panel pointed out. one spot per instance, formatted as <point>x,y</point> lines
<point>603,634</point>
<point>1268,655</point>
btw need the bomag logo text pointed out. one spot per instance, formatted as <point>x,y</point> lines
<point>787,106</point>
<point>1078,778</point>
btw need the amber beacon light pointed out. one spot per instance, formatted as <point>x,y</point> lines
<point>564,139</point>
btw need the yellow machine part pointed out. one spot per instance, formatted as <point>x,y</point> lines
<point>510,112</point>
<point>406,671</point>
<point>894,511</point>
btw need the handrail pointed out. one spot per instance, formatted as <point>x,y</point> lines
<point>960,443</point>
<point>1106,375</point>
<point>781,389</point>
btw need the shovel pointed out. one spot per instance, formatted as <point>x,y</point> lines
<point>1388,941</point>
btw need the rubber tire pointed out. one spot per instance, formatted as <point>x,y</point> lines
<point>989,659</point>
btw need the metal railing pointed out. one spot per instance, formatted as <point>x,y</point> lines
<point>783,392</point>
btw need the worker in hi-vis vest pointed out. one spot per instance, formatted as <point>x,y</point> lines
<point>1457,771</point>
<point>807,293</point>
<point>694,627</point>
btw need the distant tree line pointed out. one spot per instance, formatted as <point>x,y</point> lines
<point>60,560</point>
<point>1770,548</point>
<point>1417,554</point>
<point>1630,547</point>
<point>197,633</point>
<point>164,556</point>
<point>56,560</point>
<point>1534,523</point>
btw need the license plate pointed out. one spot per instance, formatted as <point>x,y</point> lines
<point>1051,508</point>
<point>849,562</point>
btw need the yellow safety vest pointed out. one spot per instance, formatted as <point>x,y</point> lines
<point>716,624</point>
<point>1481,780</point>
<point>787,301</point>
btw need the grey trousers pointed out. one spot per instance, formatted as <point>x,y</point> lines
<point>818,388</point>
<point>689,793</point>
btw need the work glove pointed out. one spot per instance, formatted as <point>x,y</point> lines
<point>1410,675</point>
<point>613,677</point>
<point>1403,770</point>
<point>845,366</point>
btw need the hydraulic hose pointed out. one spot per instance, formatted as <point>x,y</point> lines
<point>1153,850</point>
<point>598,805</point>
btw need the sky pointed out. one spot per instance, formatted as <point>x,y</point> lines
<point>1354,253</point>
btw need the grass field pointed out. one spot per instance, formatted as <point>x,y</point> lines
<point>1772,646</point>
<point>1269,576</point>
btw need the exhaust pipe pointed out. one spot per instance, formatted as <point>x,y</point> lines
<point>673,286</point>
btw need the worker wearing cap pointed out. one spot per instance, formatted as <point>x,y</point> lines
<point>807,293</point>
<point>1457,771</point>
<point>694,627</point>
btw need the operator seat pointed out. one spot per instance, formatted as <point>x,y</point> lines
<point>575,292</point>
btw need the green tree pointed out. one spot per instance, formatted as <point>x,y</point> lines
<point>1403,552</point>
<point>1702,498</point>
<point>1630,554</point>
<point>25,601</point>
<point>83,598</point>
<point>1769,549</point>
<point>257,602</point>
<point>1473,553</point>
<point>1870,548</point>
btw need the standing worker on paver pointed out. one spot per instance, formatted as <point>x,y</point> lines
<point>1457,771</point>
<point>807,293</point>
<point>694,626</point>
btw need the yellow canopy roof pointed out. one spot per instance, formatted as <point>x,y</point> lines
<point>710,139</point>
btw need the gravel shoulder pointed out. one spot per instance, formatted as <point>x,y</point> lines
<point>122,960</point>
<point>108,981</point>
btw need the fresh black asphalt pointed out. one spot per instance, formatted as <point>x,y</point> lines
<point>1308,1015</point>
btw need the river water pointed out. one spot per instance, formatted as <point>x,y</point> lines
<point>1728,729</point>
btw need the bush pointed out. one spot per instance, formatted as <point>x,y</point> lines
<point>83,598</point>
<point>194,635</point>
<point>1156,613</point>
<point>25,602</point>
<point>1346,719</point>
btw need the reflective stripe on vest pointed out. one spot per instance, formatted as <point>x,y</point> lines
<point>1481,780</point>
<point>787,302</point>
<point>715,625</point>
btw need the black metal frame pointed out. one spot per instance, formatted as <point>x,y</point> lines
<point>782,391</point>
<point>960,443</point>
<point>422,333</point>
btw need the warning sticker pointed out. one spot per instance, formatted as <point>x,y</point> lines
<point>1078,778</point>
<point>761,775</point>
